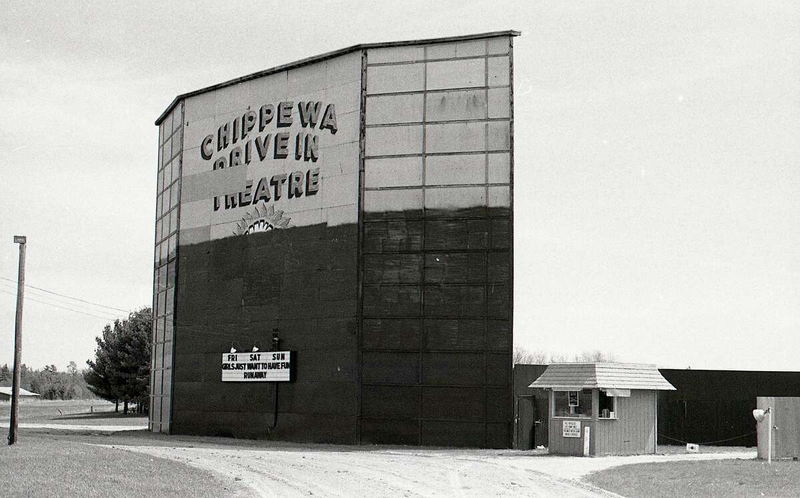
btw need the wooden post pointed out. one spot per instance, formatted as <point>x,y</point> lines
<point>655,422</point>
<point>769,434</point>
<point>12,428</point>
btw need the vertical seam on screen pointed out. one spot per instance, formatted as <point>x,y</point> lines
<point>423,253</point>
<point>360,257</point>
<point>487,244</point>
<point>510,304</point>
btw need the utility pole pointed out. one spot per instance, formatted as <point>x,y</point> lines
<point>12,429</point>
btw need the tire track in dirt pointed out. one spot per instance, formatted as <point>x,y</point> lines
<point>413,473</point>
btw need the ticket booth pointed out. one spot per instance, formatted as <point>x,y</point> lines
<point>601,409</point>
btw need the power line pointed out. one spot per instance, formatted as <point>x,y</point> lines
<point>56,299</point>
<point>58,306</point>
<point>28,298</point>
<point>57,302</point>
<point>69,297</point>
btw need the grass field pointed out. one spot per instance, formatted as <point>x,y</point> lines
<point>55,411</point>
<point>39,465</point>
<point>729,478</point>
<point>44,464</point>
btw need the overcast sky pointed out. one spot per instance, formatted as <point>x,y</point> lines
<point>657,175</point>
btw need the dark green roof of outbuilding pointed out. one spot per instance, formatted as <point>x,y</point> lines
<point>604,375</point>
<point>329,55</point>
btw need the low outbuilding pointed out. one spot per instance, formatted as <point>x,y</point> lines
<point>5,394</point>
<point>602,408</point>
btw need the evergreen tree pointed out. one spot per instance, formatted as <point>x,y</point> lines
<point>5,375</point>
<point>100,375</point>
<point>121,369</point>
<point>25,377</point>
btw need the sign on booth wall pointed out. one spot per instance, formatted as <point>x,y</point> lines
<point>571,428</point>
<point>264,366</point>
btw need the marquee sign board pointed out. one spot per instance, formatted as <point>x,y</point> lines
<point>263,366</point>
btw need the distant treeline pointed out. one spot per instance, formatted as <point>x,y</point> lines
<point>49,382</point>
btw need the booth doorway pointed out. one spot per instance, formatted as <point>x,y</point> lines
<point>531,422</point>
<point>541,409</point>
<point>526,415</point>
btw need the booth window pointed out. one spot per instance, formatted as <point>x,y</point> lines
<point>607,405</point>
<point>572,403</point>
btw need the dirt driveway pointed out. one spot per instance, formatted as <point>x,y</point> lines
<point>304,470</point>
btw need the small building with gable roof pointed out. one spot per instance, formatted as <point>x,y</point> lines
<point>5,394</point>
<point>601,409</point>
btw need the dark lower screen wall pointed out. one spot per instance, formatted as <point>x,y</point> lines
<point>435,364</point>
<point>435,339</point>
<point>436,328</point>
<point>234,292</point>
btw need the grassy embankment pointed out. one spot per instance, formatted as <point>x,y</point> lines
<point>712,478</point>
<point>47,464</point>
<point>39,465</point>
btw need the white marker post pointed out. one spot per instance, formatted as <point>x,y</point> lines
<point>586,440</point>
<point>759,414</point>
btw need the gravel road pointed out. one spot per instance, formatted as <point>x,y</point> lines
<point>305,470</point>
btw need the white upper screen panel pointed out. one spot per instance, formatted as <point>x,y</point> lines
<point>282,150</point>
<point>438,127</point>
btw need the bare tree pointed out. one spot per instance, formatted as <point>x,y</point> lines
<point>522,355</point>
<point>526,357</point>
<point>595,356</point>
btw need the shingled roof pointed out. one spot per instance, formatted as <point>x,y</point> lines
<point>22,392</point>
<point>577,376</point>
